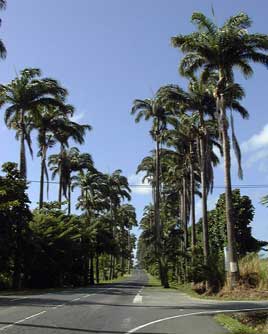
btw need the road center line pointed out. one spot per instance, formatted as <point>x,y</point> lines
<point>42,312</point>
<point>22,320</point>
<point>138,298</point>
<point>134,330</point>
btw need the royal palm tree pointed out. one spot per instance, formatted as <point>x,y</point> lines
<point>25,95</point>
<point>47,122</point>
<point>223,49</point>
<point>126,216</point>
<point>199,101</point>
<point>118,190</point>
<point>153,109</point>
<point>3,51</point>
<point>67,162</point>
<point>68,130</point>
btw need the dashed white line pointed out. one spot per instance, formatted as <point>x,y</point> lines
<point>20,298</point>
<point>22,320</point>
<point>138,298</point>
<point>40,313</point>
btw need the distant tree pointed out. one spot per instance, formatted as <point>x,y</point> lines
<point>243,214</point>
<point>15,216</point>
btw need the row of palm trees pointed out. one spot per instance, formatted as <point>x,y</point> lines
<point>188,125</point>
<point>32,102</point>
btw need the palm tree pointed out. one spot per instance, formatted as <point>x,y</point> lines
<point>152,109</point>
<point>3,51</point>
<point>24,97</point>
<point>223,49</point>
<point>199,101</point>
<point>81,163</point>
<point>47,122</point>
<point>94,199</point>
<point>67,162</point>
<point>118,190</point>
<point>126,216</point>
<point>68,130</point>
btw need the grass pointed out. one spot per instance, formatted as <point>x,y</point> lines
<point>244,322</point>
<point>254,270</point>
<point>115,280</point>
<point>153,281</point>
<point>233,325</point>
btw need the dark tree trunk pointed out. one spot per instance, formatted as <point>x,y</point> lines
<point>60,178</point>
<point>129,252</point>
<point>91,272</point>
<point>204,200</point>
<point>97,269</point>
<point>192,190</point>
<point>162,263</point>
<point>41,196</point>
<point>22,157</point>
<point>111,267</point>
<point>69,199</point>
<point>185,227</point>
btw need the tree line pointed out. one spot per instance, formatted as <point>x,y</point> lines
<point>50,246</point>
<point>192,130</point>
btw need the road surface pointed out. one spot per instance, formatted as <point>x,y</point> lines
<point>119,308</point>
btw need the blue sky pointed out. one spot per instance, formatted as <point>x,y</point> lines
<point>107,53</point>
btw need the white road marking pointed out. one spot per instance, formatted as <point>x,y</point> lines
<point>40,313</point>
<point>134,330</point>
<point>13,300</point>
<point>22,320</point>
<point>138,298</point>
<point>90,294</point>
<point>30,317</point>
<point>57,306</point>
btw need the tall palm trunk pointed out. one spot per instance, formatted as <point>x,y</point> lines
<point>97,269</point>
<point>60,177</point>
<point>192,191</point>
<point>91,272</point>
<point>231,242</point>
<point>185,227</point>
<point>23,171</point>
<point>69,198</point>
<point>203,172</point>
<point>43,165</point>
<point>158,226</point>
<point>129,251</point>
<point>232,254</point>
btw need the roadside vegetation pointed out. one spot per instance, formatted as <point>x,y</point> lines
<point>193,130</point>
<point>50,246</point>
<point>244,323</point>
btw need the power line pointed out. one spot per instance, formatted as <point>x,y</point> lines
<point>241,186</point>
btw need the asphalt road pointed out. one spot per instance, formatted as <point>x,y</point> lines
<point>120,308</point>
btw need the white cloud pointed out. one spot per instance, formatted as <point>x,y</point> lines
<point>77,117</point>
<point>257,141</point>
<point>255,150</point>
<point>258,156</point>
<point>139,187</point>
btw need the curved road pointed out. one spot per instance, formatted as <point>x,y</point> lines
<point>119,308</point>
